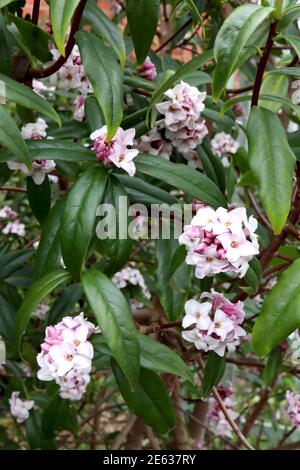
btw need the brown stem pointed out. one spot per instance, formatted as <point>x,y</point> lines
<point>275,269</point>
<point>262,64</point>
<point>121,437</point>
<point>196,427</point>
<point>12,189</point>
<point>36,12</point>
<point>237,91</point>
<point>170,39</point>
<point>232,423</point>
<point>53,68</point>
<point>264,396</point>
<point>258,211</point>
<point>180,434</point>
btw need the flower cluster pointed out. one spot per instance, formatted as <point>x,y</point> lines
<point>220,241</point>
<point>79,112</point>
<point>116,151</point>
<point>148,70</point>
<point>67,354</point>
<point>133,276</point>
<point>19,409</point>
<point>182,116</point>
<point>153,143</point>
<point>41,311</point>
<point>293,407</point>
<point>72,75</point>
<point>215,323</point>
<point>294,340</point>
<point>13,224</point>
<point>223,145</point>
<point>216,416</point>
<point>40,168</point>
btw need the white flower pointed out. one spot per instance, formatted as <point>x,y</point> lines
<point>35,130</point>
<point>20,408</point>
<point>15,227</point>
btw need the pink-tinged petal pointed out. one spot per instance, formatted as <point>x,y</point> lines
<point>81,361</point>
<point>86,349</point>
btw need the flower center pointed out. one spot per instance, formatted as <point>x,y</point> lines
<point>69,357</point>
<point>217,324</point>
<point>77,342</point>
<point>121,158</point>
<point>209,259</point>
<point>234,244</point>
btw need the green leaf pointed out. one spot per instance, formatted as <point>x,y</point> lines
<point>290,14</point>
<point>289,72</point>
<point>115,320</point>
<point>158,357</point>
<point>213,372</point>
<point>79,215</point>
<point>33,38</point>
<point>172,290</point>
<point>118,249</point>
<point>143,16</point>
<point>233,42</point>
<point>11,138</point>
<point>184,70</point>
<point>5,51</point>
<point>195,12</point>
<point>39,198</point>
<point>48,256</point>
<point>13,260</point>
<point>105,28</point>
<point>142,192</point>
<point>271,159</point>
<point>106,77</point>
<point>274,85</point>
<point>212,165</point>
<point>61,12</point>
<point>3,3</point>
<point>192,182</point>
<point>254,274</point>
<point>263,98</point>
<point>35,437</point>
<point>294,41</point>
<point>273,364</point>
<point>149,401</point>
<point>37,292</point>
<point>64,304</point>
<point>24,96</point>
<point>59,415</point>
<point>280,313</point>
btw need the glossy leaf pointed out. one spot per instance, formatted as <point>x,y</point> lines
<point>192,182</point>
<point>213,372</point>
<point>280,313</point>
<point>61,12</point>
<point>79,215</point>
<point>149,401</point>
<point>48,256</point>
<point>106,77</point>
<point>37,292</point>
<point>158,357</point>
<point>24,96</point>
<point>142,17</point>
<point>5,52</point>
<point>11,138</point>
<point>274,85</point>
<point>39,198</point>
<point>115,320</point>
<point>64,304</point>
<point>105,28</point>
<point>271,159</point>
<point>233,41</point>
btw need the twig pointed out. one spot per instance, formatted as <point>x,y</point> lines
<point>230,421</point>
<point>154,442</point>
<point>258,211</point>
<point>264,396</point>
<point>170,39</point>
<point>36,12</point>
<point>275,269</point>
<point>13,189</point>
<point>262,64</point>
<point>53,68</point>
<point>237,91</point>
<point>118,441</point>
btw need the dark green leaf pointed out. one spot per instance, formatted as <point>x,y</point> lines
<point>271,159</point>
<point>192,182</point>
<point>115,320</point>
<point>106,77</point>
<point>37,292</point>
<point>280,313</point>
<point>61,12</point>
<point>213,372</point>
<point>79,215</point>
<point>39,197</point>
<point>149,401</point>
<point>143,16</point>
<point>11,138</point>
